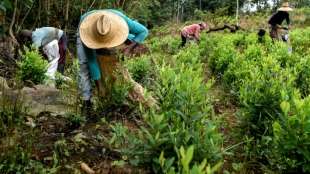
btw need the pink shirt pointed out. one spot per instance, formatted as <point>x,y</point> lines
<point>191,30</point>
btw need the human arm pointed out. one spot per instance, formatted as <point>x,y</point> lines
<point>288,21</point>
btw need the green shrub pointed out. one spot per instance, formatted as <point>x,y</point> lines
<point>32,67</point>
<point>140,68</point>
<point>303,76</point>
<point>260,93</point>
<point>291,150</point>
<point>221,57</point>
<point>300,40</point>
<point>184,159</point>
<point>237,71</point>
<point>168,44</point>
<point>184,118</point>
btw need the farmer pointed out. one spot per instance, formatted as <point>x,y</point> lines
<point>99,32</point>
<point>53,42</point>
<point>277,19</point>
<point>192,32</point>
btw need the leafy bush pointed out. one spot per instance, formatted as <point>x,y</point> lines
<point>184,119</point>
<point>303,75</point>
<point>165,45</point>
<point>221,56</point>
<point>260,93</point>
<point>32,67</point>
<point>291,150</point>
<point>140,68</point>
<point>300,39</point>
<point>185,158</point>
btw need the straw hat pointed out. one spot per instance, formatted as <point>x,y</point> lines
<point>285,7</point>
<point>103,29</point>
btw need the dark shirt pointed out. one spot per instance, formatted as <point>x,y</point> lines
<point>279,17</point>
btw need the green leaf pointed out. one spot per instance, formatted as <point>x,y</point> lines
<point>285,106</point>
<point>189,154</point>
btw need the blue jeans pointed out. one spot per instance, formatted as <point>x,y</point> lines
<point>89,68</point>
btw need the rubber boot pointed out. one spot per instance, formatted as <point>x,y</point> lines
<point>86,108</point>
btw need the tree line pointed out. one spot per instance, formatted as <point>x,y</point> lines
<point>18,14</point>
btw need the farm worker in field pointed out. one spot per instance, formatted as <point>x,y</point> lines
<point>101,30</point>
<point>192,32</point>
<point>53,42</point>
<point>277,19</point>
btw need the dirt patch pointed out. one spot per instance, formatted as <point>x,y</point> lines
<point>56,138</point>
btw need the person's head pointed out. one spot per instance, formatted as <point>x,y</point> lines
<point>24,37</point>
<point>203,25</point>
<point>285,8</point>
<point>103,30</point>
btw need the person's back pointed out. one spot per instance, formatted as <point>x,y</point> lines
<point>44,35</point>
<point>191,29</point>
<point>279,17</point>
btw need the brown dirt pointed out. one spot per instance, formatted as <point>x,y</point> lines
<point>54,134</point>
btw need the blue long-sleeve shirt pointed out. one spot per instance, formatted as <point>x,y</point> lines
<point>137,31</point>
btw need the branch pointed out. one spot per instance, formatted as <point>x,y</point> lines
<point>232,28</point>
<point>91,6</point>
<point>25,16</point>
<point>12,24</point>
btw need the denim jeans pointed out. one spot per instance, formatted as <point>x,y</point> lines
<point>84,54</point>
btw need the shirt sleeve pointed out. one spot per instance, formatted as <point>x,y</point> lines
<point>137,31</point>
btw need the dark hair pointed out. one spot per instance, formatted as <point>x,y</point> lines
<point>24,37</point>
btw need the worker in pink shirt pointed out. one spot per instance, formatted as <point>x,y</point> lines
<point>192,32</point>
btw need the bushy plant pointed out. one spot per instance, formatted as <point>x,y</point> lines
<point>140,68</point>
<point>32,67</point>
<point>291,150</point>
<point>300,40</point>
<point>260,93</point>
<point>185,157</point>
<point>169,44</point>
<point>303,75</point>
<point>184,118</point>
<point>220,57</point>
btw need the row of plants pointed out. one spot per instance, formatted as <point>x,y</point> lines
<point>182,135</point>
<point>260,76</point>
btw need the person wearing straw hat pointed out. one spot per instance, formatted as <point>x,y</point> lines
<point>277,19</point>
<point>98,31</point>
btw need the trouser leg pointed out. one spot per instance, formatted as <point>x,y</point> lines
<point>51,50</point>
<point>274,34</point>
<point>84,79</point>
<point>183,40</point>
<point>62,52</point>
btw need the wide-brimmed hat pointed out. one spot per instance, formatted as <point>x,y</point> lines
<point>103,29</point>
<point>285,7</point>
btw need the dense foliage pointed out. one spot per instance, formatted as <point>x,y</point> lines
<point>260,76</point>
<point>32,67</point>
